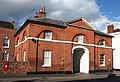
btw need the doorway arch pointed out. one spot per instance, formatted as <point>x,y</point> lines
<point>80,57</point>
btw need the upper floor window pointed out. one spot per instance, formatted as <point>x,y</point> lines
<point>102,42</point>
<point>6,43</point>
<point>5,56</point>
<point>80,38</point>
<point>24,36</point>
<point>102,60</point>
<point>46,58</point>
<point>47,35</point>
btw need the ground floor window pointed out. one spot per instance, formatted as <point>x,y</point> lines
<point>5,56</point>
<point>102,60</point>
<point>24,55</point>
<point>46,58</point>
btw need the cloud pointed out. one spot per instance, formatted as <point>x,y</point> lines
<point>21,10</point>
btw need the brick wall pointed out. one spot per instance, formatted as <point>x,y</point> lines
<point>14,68</point>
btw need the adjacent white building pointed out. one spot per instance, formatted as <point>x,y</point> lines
<point>115,45</point>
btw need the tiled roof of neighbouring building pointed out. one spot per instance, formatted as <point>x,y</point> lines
<point>4,24</point>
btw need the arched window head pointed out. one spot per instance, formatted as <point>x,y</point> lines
<point>48,35</point>
<point>102,42</point>
<point>80,38</point>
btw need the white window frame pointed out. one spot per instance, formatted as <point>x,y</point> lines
<point>17,41</point>
<point>48,35</point>
<point>8,42</point>
<point>7,56</point>
<point>24,53</point>
<point>102,60</point>
<point>80,38</point>
<point>46,54</point>
<point>25,37</point>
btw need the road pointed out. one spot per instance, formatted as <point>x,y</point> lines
<point>115,79</point>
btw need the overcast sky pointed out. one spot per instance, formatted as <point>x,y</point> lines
<point>92,10</point>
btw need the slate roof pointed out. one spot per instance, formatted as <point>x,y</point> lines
<point>57,23</point>
<point>116,30</point>
<point>43,21</point>
<point>102,34</point>
<point>50,21</point>
<point>75,20</point>
<point>4,24</point>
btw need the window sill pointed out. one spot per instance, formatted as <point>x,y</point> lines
<point>46,66</point>
<point>5,47</point>
<point>102,65</point>
<point>47,38</point>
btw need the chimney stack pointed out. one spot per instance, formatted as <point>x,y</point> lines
<point>110,29</point>
<point>14,24</point>
<point>41,13</point>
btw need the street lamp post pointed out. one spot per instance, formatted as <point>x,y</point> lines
<point>36,41</point>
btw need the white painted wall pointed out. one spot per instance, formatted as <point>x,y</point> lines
<point>84,63</point>
<point>116,52</point>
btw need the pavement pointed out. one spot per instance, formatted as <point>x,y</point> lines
<point>61,77</point>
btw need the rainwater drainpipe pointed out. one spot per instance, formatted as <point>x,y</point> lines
<point>36,41</point>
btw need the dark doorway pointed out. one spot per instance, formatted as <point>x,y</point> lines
<point>76,59</point>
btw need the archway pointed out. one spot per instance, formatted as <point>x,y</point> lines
<point>80,59</point>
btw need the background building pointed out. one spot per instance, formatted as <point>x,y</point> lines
<point>7,41</point>
<point>115,43</point>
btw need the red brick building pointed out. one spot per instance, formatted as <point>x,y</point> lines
<point>7,41</point>
<point>55,46</point>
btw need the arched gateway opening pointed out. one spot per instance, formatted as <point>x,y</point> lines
<point>80,59</point>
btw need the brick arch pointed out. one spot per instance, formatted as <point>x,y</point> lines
<point>39,33</point>
<point>24,33</point>
<point>103,40</point>
<point>81,34</point>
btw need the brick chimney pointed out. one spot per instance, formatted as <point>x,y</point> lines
<point>41,13</point>
<point>110,29</point>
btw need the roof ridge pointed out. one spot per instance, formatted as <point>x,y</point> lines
<point>49,18</point>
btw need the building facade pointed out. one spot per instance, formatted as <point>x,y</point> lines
<point>7,31</point>
<point>115,43</point>
<point>55,46</point>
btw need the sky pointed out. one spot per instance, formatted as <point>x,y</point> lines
<point>99,13</point>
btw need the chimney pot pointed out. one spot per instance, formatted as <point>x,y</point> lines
<point>41,13</point>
